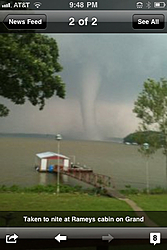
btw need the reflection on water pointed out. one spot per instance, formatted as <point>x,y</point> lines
<point>43,179</point>
<point>65,179</point>
<point>51,178</point>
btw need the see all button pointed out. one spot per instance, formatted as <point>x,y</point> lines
<point>148,21</point>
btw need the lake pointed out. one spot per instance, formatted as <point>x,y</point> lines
<point>123,162</point>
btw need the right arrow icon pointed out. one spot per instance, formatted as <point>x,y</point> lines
<point>108,237</point>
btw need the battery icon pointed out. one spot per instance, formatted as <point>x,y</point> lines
<point>159,4</point>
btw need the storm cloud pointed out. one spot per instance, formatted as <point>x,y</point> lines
<point>104,74</point>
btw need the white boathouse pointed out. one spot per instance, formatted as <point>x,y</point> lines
<point>48,162</point>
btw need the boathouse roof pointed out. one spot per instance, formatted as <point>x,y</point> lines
<point>51,155</point>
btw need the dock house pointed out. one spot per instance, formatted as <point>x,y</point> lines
<point>48,162</point>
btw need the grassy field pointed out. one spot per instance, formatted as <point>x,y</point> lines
<point>44,198</point>
<point>151,202</point>
<point>155,205</point>
<point>63,202</point>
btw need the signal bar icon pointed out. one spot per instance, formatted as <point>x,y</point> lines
<point>37,5</point>
<point>7,5</point>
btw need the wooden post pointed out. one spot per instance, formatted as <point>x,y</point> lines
<point>96,179</point>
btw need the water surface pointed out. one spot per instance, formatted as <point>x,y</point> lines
<point>123,162</point>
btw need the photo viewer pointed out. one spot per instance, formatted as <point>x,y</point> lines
<point>83,131</point>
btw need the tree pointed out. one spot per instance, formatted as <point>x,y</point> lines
<point>151,108</point>
<point>154,138</point>
<point>28,67</point>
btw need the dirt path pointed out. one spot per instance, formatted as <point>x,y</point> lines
<point>138,210</point>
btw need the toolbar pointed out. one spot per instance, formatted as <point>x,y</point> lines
<point>84,21</point>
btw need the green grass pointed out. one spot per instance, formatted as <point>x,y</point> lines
<point>151,202</point>
<point>63,202</point>
<point>13,201</point>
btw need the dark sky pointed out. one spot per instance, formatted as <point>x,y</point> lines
<point>104,74</point>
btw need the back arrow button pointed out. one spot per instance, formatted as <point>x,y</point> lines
<point>60,237</point>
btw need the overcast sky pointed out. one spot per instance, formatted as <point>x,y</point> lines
<point>104,74</point>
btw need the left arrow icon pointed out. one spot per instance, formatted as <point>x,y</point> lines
<point>60,237</point>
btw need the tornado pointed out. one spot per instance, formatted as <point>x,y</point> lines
<point>90,88</point>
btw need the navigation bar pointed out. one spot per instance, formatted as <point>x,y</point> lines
<point>84,21</point>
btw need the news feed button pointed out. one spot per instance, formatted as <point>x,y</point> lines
<point>25,22</point>
<point>148,21</point>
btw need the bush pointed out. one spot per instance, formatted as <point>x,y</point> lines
<point>51,189</point>
<point>156,190</point>
<point>3,188</point>
<point>15,188</point>
<point>129,190</point>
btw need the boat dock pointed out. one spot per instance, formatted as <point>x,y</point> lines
<point>103,182</point>
<point>96,180</point>
<point>77,171</point>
